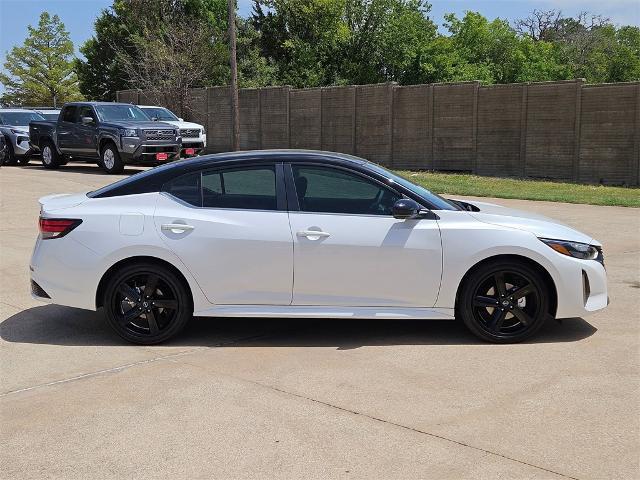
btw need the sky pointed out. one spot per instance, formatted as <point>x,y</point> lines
<point>79,15</point>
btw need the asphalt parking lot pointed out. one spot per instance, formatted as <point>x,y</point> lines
<point>236,398</point>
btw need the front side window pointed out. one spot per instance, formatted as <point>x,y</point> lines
<point>251,188</point>
<point>69,114</point>
<point>330,190</point>
<point>86,111</point>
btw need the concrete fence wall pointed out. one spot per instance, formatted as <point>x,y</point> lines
<point>557,130</point>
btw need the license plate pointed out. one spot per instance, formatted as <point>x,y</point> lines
<point>189,151</point>
<point>162,156</point>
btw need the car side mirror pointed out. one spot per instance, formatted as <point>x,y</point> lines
<point>87,120</point>
<point>406,208</point>
<point>180,119</point>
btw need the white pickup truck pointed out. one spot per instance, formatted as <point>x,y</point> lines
<point>194,138</point>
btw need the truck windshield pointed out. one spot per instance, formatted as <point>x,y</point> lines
<point>19,118</point>
<point>115,113</point>
<point>157,113</point>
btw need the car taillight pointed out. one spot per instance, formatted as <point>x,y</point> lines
<point>57,227</point>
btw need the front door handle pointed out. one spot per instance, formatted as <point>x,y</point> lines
<point>313,234</point>
<point>177,227</point>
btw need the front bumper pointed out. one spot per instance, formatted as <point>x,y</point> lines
<point>136,150</point>
<point>21,145</point>
<point>581,288</point>
<point>191,149</point>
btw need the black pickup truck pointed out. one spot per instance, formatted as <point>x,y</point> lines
<point>110,134</point>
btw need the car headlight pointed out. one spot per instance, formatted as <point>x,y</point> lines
<point>583,251</point>
<point>128,132</point>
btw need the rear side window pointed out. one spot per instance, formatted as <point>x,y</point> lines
<point>186,188</point>
<point>251,188</point>
<point>69,114</point>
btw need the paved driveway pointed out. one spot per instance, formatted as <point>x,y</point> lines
<point>314,398</point>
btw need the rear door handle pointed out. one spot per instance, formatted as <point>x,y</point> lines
<point>313,233</point>
<point>177,227</point>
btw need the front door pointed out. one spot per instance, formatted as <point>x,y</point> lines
<point>231,230</point>
<point>86,137</point>
<point>350,251</point>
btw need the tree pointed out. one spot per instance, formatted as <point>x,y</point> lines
<point>40,72</point>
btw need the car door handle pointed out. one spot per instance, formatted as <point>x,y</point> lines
<point>177,227</point>
<point>313,233</point>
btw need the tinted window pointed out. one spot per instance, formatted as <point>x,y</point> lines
<point>186,188</point>
<point>250,188</point>
<point>86,111</point>
<point>69,114</point>
<point>337,191</point>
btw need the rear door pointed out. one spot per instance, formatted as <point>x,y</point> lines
<point>230,227</point>
<point>348,248</point>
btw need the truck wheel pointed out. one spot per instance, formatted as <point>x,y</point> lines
<point>50,156</point>
<point>110,160</point>
<point>10,157</point>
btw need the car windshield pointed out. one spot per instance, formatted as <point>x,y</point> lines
<point>115,113</point>
<point>19,118</point>
<point>51,115</point>
<point>437,201</point>
<point>158,113</point>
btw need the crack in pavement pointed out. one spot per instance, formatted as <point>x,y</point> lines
<point>126,366</point>
<point>172,356</point>
<point>382,420</point>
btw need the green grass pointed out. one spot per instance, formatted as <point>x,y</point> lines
<point>475,186</point>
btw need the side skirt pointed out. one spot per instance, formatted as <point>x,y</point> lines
<point>293,311</point>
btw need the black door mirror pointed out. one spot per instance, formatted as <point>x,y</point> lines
<point>87,121</point>
<point>406,208</point>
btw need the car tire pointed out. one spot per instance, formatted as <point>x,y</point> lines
<point>147,303</point>
<point>10,156</point>
<point>51,159</point>
<point>25,159</point>
<point>110,160</point>
<point>503,301</point>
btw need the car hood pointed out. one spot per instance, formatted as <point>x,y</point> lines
<point>183,124</point>
<point>145,125</point>
<point>20,128</point>
<point>539,225</point>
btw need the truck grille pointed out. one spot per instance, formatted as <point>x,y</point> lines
<point>190,133</point>
<point>159,134</point>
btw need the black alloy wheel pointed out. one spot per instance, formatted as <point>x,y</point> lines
<point>147,304</point>
<point>504,303</point>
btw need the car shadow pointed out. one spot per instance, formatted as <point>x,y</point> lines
<point>57,325</point>
<point>81,167</point>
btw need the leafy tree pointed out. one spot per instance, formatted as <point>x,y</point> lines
<point>40,72</point>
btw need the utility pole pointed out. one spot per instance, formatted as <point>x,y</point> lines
<point>235,110</point>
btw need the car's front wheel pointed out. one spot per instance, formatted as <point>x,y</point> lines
<point>110,160</point>
<point>504,301</point>
<point>50,157</point>
<point>147,303</point>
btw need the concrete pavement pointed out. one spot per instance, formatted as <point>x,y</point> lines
<point>242,398</point>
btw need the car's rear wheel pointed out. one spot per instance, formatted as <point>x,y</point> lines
<point>504,302</point>
<point>110,160</point>
<point>50,157</point>
<point>147,303</point>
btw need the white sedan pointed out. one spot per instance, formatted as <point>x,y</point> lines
<point>297,233</point>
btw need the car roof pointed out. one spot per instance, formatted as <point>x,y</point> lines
<point>152,180</point>
<point>12,110</point>
<point>97,103</point>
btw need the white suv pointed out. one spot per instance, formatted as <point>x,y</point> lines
<point>194,138</point>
